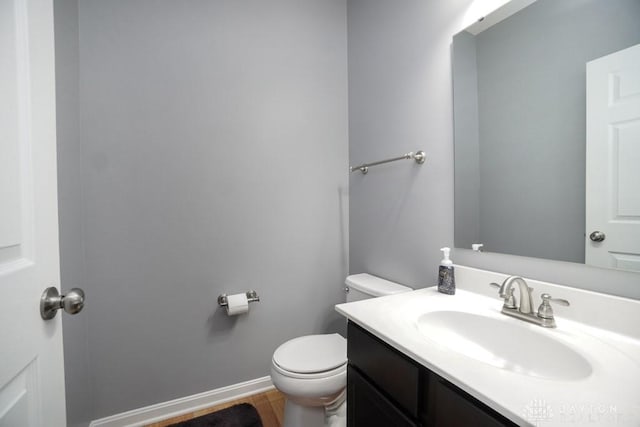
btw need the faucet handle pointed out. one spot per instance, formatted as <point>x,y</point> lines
<point>500,289</point>
<point>545,311</point>
<point>509,299</point>
<point>547,297</point>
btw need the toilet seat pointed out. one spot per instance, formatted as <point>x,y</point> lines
<point>311,356</point>
<point>317,375</point>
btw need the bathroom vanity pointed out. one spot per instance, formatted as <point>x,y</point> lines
<point>427,359</point>
<point>386,388</point>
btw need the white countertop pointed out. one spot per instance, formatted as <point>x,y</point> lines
<point>608,396</point>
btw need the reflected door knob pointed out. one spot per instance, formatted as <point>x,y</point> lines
<point>597,236</point>
<point>51,301</point>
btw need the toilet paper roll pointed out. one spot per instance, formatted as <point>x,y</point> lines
<point>237,304</point>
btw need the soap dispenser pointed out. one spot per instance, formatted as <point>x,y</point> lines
<point>446,278</point>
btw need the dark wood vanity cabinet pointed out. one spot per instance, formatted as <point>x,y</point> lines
<point>385,388</point>
<point>367,406</point>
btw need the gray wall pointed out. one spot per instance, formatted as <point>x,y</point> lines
<point>532,97</point>
<point>401,214</point>
<point>70,211</point>
<point>213,159</point>
<point>400,99</point>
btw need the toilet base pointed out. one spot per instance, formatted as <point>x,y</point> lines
<point>296,415</point>
<point>337,416</point>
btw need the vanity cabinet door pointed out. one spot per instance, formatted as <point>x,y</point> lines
<point>385,367</point>
<point>448,406</point>
<point>367,407</point>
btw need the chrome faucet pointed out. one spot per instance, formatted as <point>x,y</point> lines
<point>526,300</point>
<point>524,311</point>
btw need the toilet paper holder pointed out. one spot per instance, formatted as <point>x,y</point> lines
<point>252,296</point>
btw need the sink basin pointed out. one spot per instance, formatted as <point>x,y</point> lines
<point>504,344</point>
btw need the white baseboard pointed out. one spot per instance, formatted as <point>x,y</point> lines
<point>173,408</point>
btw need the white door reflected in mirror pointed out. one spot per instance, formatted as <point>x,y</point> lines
<point>613,155</point>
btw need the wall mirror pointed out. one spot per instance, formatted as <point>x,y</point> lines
<point>546,152</point>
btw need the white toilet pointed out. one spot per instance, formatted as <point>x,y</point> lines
<point>312,370</point>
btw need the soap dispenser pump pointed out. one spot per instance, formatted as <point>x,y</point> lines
<point>446,278</point>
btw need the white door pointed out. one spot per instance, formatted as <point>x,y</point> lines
<point>613,160</point>
<point>31,361</point>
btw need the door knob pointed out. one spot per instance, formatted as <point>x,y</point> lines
<point>51,301</point>
<point>597,236</point>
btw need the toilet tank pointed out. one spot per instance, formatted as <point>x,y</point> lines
<point>364,286</point>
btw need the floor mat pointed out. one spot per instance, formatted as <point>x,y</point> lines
<point>242,415</point>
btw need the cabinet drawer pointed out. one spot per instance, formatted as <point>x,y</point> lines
<point>367,407</point>
<point>388,369</point>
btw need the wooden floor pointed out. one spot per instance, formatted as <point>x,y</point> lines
<point>270,406</point>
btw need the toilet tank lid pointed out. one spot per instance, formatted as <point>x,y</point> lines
<point>374,286</point>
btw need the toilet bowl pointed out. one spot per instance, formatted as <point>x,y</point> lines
<point>311,371</point>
